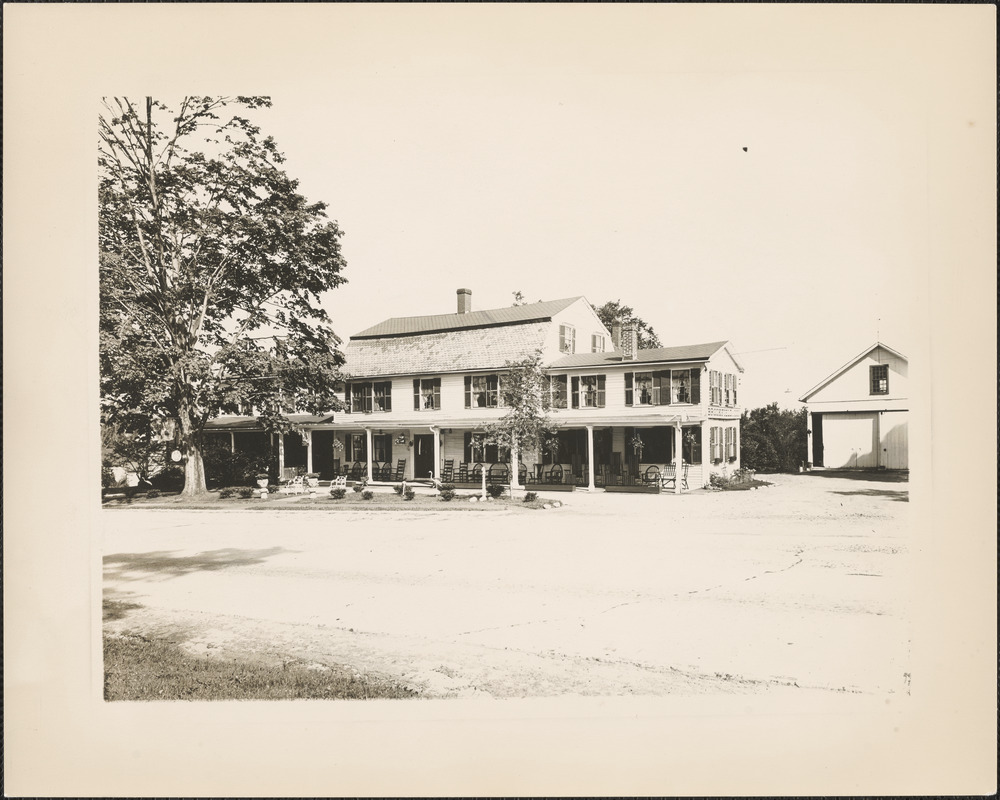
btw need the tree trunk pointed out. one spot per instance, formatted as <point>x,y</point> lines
<point>194,467</point>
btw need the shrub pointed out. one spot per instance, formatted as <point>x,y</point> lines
<point>229,491</point>
<point>530,497</point>
<point>398,488</point>
<point>360,485</point>
<point>447,494</point>
<point>153,493</point>
<point>409,494</point>
<point>447,487</point>
<point>245,492</point>
<point>368,494</point>
<point>338,493</point>
<point>169,479</point>
<point>224,468</point>
<point>495,490</point>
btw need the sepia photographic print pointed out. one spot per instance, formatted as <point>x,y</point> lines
<point>500,400</point>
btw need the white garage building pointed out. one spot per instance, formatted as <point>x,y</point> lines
<point>858,415</point>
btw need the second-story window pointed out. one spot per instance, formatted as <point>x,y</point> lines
<point>556,391</point>
<point>368,397</point>
<point>879,375</point>
<point>680,386</point>
<point>567,339</point>
<point>481,391</point>
<point>639,389</point>
<point>588,391</point>
<point>598,344</point>
<point>426,394</point>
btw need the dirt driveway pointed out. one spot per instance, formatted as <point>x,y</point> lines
<point>798,587</point>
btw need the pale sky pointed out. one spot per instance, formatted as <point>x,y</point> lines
<point>606,159</point>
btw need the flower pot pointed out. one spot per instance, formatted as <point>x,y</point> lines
<point>262,483</point>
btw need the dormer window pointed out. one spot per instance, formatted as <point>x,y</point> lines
<point>879,378</point>
<point>598,344</point>
<point>567,339</point>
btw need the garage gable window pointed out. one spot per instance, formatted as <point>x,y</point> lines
<point>879,375</point>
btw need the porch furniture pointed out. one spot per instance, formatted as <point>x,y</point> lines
<point>668,478</point>
<point>448,471</point>
<point>522,474</point>
<point>463,473</point>
<point>287,473</point>
<point>497,473</point>
<point>538,472</point>
<point>296,485</point>
<point>652,475</point>
<point>382,472</point>
<point>477,472</point>
<point>357,471</point>
<point>340,482</point>
<point>555,474</point>
<point>400,469</point>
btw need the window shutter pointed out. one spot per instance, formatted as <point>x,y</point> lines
<point>628,388</point>
<point>388,396</point>
<point>600,391</point>
<point>347,398</point>
<point>467,447</point>
<point>696,385</point>
<point>348,448</point>
<point>416,394</point>
<point>576,391</point>
<point>468,393</point>
<point>663,378</point>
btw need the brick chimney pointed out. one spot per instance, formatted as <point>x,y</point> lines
<point>464,301</point>
<point>616,335</point>
<point>630,341</point>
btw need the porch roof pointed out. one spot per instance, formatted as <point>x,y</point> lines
<point>243,423</point>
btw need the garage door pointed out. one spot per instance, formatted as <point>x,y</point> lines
<point>892,427</point>
<point>850,440</point>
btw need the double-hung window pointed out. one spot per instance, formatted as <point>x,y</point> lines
<point>567,339</point>
<point>598,343</point>
<point>367,397</point>
<point>879,375</point>
<point>588,391</point>
<point>426,394</point>
<point>478,451</point>
<point>556,390</point>
<point>639,389</point>
<point>482,391</point>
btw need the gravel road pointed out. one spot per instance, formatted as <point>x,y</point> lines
<point>799,587</point>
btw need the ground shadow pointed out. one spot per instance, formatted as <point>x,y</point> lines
<point>900,495</point>
<point>881,475</point>
<point>163,563</point>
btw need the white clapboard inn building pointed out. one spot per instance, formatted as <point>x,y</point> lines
<point>422,389</point>
<point>858,415</point>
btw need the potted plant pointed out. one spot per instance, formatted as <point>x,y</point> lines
<point>262,479</point>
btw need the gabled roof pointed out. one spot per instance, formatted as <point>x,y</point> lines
<point>692,352</point>
<point>238,423</point>
<point>863,354</point>
<point>509,315</point>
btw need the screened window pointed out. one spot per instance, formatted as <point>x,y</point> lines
<point>879,378</point>
<point>481,391</point>
<point>588,391</point>
<point>426,394</point>
<point>567,339</point>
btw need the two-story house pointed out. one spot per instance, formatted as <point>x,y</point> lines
<point>422,389</point>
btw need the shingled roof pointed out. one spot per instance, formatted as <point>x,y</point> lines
<point>444,351</point>
<point>692,352</point>
<point>509,315</point>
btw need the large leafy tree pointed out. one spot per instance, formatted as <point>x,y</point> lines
<point>211,270</point>
<point>613,312</point>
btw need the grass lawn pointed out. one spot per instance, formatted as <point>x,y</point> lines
<point>136,668</point>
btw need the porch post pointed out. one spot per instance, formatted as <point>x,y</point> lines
<point>590,458</point>
<point>368,452</point>
<point>232,442</point>
<point>810,455</point>
<point>281,454</point>
<point>437,452</point>
<point>309,450</point>
<point>678,457</point>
